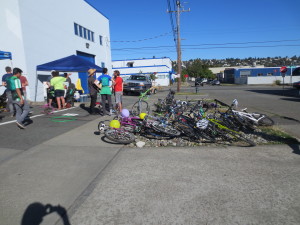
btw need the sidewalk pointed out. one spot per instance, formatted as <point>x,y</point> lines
<point>102,183</point>
<point>59,172</point>
<point>196,186</point>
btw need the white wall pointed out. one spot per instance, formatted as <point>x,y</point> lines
<point>11,35</point>
<point>46,33</point>
<point>161,66</point>
<point>272,79</point>
<point>143,62</point>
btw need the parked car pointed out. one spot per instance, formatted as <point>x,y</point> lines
<point>137,84</point>
<point>200,81</point>
<point>296,85</point>
<point>215,82</point>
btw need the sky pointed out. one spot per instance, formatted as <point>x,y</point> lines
<point>212,29</point>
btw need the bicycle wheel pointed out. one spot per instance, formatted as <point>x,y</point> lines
<point>244,122</point>
<point>166,129</point>
<point>120,136</point>
<point>236,139</point>
<point>263,120</point>
<point>184,128</point>
<point>153,134</point>
<point>140,107</point>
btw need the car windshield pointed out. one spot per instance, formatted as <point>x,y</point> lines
<point>137,78</point>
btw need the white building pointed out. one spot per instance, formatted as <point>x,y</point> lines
<point>162,67</point>
<point>40,31</point>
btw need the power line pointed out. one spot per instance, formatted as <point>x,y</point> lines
<point>258,46</point>
<point>172,21</point>
<point>146,39</point>
<point>232,43</point>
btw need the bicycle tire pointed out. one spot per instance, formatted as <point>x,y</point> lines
<point>140,107</point>
<point>119,136</point>
<point>245,123</point>
<point>184,128</point>
<point>209,134</point>
<point>265,121</point>
<point>166,129</point>
<point>153,134</point>
<point>237,139</point>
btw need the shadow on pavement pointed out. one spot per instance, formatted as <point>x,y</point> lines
<point>87,109</point>
<point>36,211</point>
<point>280,92</point>
<point>291,119</point>
<point>296,148</point>
<point>291,99</point>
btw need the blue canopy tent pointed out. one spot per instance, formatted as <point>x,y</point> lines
<point>71,63</point>
<point>5,55</point>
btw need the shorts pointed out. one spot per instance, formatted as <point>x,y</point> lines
<point>118,96</point>
<point>59,93</point>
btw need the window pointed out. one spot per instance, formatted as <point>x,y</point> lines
<point>76,28</point>
<point>83,32</point>
<point>161,77</point>
<point>269,74</point>
<point>89,35</point>
<point>102,64</point>
<point>100,39</point>
<point>260,74</point>
<point>92,38</point>
<point>80,31</point>
<point>130,64</point>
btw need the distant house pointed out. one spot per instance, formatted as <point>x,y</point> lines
<point>265,75</point>
<point>161,67</point>
<point>37,32</point>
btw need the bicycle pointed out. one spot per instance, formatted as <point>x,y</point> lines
<point>119,135</point>
<point>163,104</point>
<point>216,128</point>
<point>219,129</point>
<point>154,126</point>
<point>246,119</point>
<point>142,105</point>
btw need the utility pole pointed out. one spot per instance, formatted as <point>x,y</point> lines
<point>179,70</point>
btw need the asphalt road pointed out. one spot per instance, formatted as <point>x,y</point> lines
<point>67,164</point>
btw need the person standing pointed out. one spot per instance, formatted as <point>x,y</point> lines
<point>118,89</point>
<point>105,91</point>
<point>19,102</point>
<point>68,79</point>
<point>9,104</point>
<point>59,89</point>
<point>93,90</point>
<point>24,84</point>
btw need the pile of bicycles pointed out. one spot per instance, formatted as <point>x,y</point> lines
<point>211,121</point>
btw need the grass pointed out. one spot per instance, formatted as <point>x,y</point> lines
<point>276,136</point>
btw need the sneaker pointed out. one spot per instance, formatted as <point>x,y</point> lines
<point>20,125</point>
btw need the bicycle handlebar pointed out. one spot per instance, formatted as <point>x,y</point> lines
<point>222,103</point>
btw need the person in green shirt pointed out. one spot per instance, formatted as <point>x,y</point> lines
<point>105,92</point>
<point>20,104</point>
<point>59,89</point>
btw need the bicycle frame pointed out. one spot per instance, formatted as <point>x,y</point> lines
<point>249,116</point>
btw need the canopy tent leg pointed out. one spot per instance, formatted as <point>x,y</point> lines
<point>36,85</point>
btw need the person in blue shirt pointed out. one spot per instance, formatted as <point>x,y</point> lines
<point>5,77</point>
<point>105,92</point>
